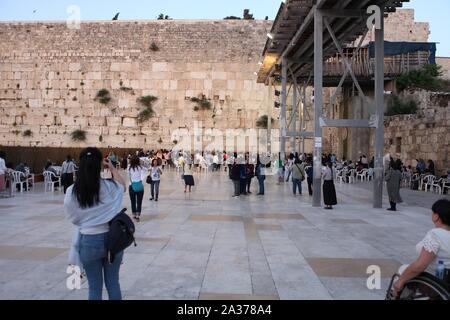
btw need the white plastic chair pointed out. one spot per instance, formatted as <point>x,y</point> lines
<point>49,183</point>
<point>446,185</point>
<point>428,182</point>
<point>362,175</point>
<point>18,178</point>
<point>436,185</point>
<point>340,176</point>
<point>352,176</point>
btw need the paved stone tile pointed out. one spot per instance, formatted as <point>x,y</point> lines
<point>351,268</point>
<point>279,216</point>
<point>349,221</point>
<point>29,253</point>
<point>197,217</point>
<point>269,227</point>
<point>208,245</point>
<point>230,296</point>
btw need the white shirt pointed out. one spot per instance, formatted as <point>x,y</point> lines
<point>437,241</point>
<point>327,173</point>
<point>68,167</point>
<point>137,174</point>
<point>156,173</point>
<point>110,202</point>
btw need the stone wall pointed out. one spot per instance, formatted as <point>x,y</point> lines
<point>445,64</point>
<point>425,135</point>
<point>50,75</point>
<point>401,26</point>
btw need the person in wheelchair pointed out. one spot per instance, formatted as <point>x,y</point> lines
<point>433,248</point>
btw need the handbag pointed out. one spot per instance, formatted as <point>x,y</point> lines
<point>303,176</point>
<point>149,179</point>
<point>137,186</point>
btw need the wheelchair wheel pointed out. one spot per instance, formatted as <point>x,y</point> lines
<point>424,287</point>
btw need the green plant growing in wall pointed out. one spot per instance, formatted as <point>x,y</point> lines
<point>145,114</point>
<point>103,96</point>
<point>28,133</point>
<point>175,142</point>
<point>263,121</point>
<point>100,138</point>
<point>154,47</point>
<point>78,135</point>
<point>160,140</point>
<point>397,106</point>
<point>202,103</point>
<point>147,100</point>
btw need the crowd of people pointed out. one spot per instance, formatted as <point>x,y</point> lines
<point>91,201</point>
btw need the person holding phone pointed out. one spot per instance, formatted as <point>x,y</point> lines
<point>90,204</point>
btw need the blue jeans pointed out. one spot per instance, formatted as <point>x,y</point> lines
<point>154,188</point>
<point>136,200</point>
<point>94,258</point>
<point>261,184</point>
<point>297,183</point>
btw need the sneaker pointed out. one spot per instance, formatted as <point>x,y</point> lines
<point>156,199</point>
<point>151,199</point>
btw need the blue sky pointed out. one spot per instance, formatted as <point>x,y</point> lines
<point>434,11</point>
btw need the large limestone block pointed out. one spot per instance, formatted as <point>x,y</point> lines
<point>129,122</point>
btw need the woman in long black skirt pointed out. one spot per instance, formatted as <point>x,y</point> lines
<point>329,191</point>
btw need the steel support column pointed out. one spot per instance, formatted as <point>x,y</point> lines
<point>269,117</point>
<point>318,104</point>
<point>283,128</point>
<point>379,102</point>
<point>293,126</point>
<point>302,119</point>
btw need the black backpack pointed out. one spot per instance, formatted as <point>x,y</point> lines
<point>121,234</point>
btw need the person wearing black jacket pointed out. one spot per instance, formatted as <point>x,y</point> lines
<point>235,176</point>
<point>260,175</point>
<point>310,176</point>
<point>249,174</point>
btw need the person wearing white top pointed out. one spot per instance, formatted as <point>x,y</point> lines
<point>90,204</point>
<point>433,248</point>
<point>136,175</point>
<point>155,173</point>
<point>329,190</point>
<point>67,171</point>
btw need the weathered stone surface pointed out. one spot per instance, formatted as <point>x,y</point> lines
<point>60,72</point>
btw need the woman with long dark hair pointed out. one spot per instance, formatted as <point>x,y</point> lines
<point>90,204</point>
<point>329,191</point>
<point>137,175</point>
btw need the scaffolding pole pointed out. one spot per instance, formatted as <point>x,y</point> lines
<point>379,102</point>
<point>318,103</point>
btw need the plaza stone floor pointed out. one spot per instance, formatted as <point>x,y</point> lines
<point>208,245</point>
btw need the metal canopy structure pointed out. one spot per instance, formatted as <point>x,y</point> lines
<point>292,34</point>
<point>305,34</point>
